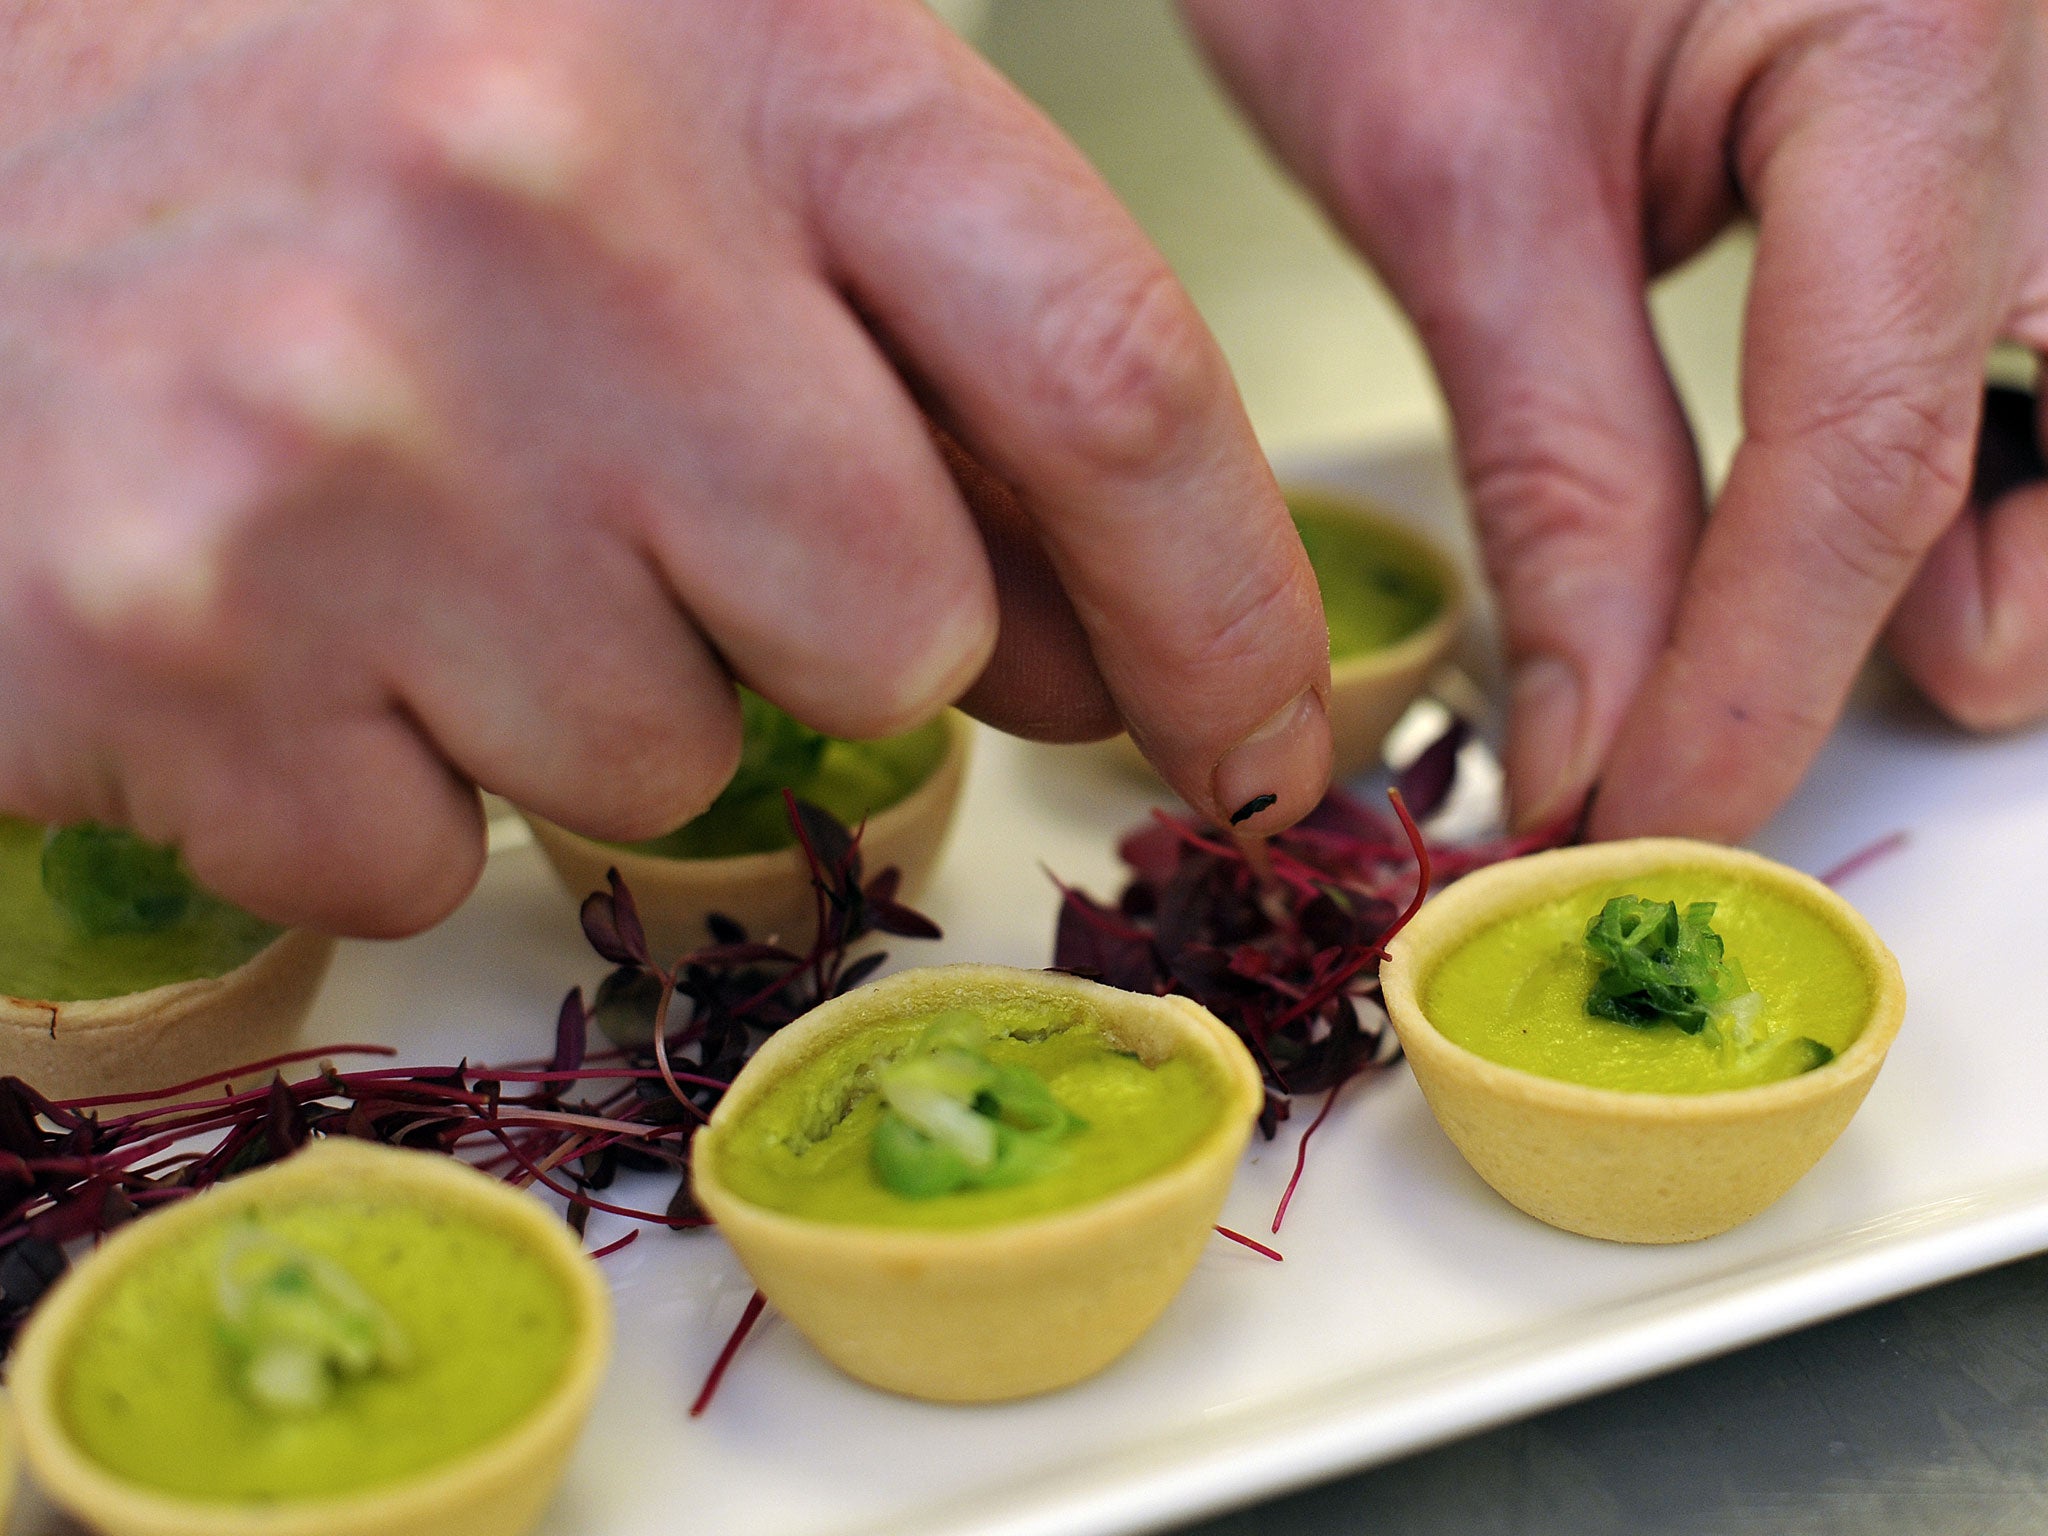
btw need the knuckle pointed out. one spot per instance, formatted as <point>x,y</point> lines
<point>1560,494</point>
<point>1238,632</point>
<point>1123,367</point>
<point>1892,471</point>
<point>314,353</point>
<point>1937,36</point>
<point>507,99</point>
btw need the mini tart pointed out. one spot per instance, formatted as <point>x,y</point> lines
<point>980,1314</point>
<point>1631,1167</point>
<point>139,1041</point>
<point>768,893</point>
<point>1369,691</point>
<point>501,1488</point>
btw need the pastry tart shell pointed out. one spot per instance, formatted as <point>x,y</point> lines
<point>986,1313</point>
<point>1628,1166</point>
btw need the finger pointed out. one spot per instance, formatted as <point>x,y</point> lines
<point>1041,681</point>
<point>1868,324</point>
<point>348,823</point>
<point>1972,629</point>
<point>307,810</point>
<point>1584,483</point>
<point>758,447</point>
<point>1072,364</point>
<point>538,652</point>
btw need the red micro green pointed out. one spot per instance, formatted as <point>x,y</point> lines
<point>745,1326</point>
<point>1252,1243</point>
<point>72,1169</point>
<point>1285,949</point>
<point>1864,857</point>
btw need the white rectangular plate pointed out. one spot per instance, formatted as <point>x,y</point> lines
<point>1413,1304</point>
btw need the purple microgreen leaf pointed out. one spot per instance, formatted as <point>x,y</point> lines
<point>626,918</point>
<point>572,1032</point>
<point>828,844</point>
<point>904,922</point>
<point>859,972</point>
<point>29,1267</point>
<point>1426,782</point>
<point>284,1123</point>
<point>724,930</point>
<point>601,928</point>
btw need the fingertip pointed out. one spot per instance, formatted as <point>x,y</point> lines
<point>392,890</point>
<point>1277,774</point>
<point>1551,756</point>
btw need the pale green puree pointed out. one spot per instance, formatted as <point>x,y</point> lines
<point>1516,992</point>
<point>852,779</point>
<point>805,1146</point>
<point>46,957</point>
<point>149,1393</point>
<point>1378,586</point>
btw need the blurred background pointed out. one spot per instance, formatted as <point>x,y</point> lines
<point>1321,354</point>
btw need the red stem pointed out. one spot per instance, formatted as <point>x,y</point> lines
<point>1889,844</point>
<point>732,1347</point>
<point>1301,1151</point>
<point>668,1074</point>
<point>581,1197</point>
<point>1252,1243</point>
<point>268,1064</point>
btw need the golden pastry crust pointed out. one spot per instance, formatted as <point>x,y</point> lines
<point>769,893</point>
<point>986,1313</point>
<point>146,1040</point>
<point>499,1489</point>
<point>1630,1167</point>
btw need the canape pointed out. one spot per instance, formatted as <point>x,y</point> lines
<point>118,975</point>
<point>1646,1041</point>
<point>971,1183</point>
<point>357,1341</point>
<point>740,858</point>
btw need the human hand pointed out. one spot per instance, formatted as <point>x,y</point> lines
<point>1518,173</point>
<point>400,395</point>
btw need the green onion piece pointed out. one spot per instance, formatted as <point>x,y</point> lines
<point>298,1325</point>
<point>913,1165</point>
<point>1659,967</point>
<point>953,1119</point>
<point>949,1121</point>
<point>107,881</point>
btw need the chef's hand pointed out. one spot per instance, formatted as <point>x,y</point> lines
<point>400,395</point>
<point>1518,172</point>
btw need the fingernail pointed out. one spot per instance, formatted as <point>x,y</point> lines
<point>1545,704</point>
<point>1275,774</point>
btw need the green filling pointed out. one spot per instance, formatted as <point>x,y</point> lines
<point>957,1120</point>
<point>114,917</point>
<point>1379,586</point>
<point>1518,992</point>
<point>808,1146</point>
<point>852,779</point>
<point>469,1332</point>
